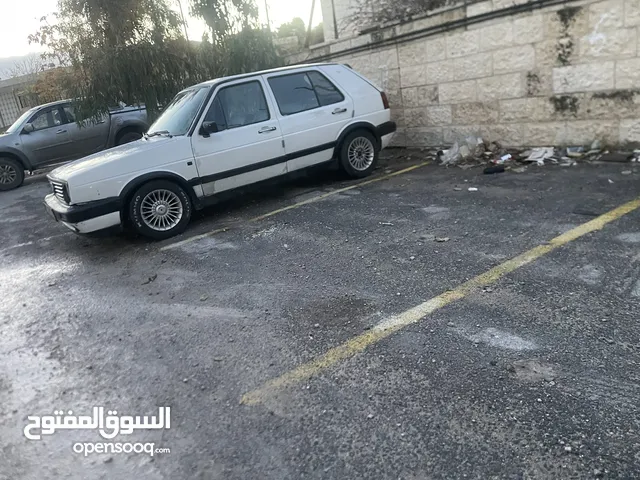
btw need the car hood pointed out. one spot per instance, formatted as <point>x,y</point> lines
<point>8,139</point>
<point>131,157</point>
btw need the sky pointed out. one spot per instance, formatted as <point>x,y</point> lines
<point>18,21</point>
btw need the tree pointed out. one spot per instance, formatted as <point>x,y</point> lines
<point>134,50</point>
<point>225,17</point>
<point>297,28</point>
<point>29,65</point>
<point>294,28</point>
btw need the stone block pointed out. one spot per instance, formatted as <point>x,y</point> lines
<point>583,132</point>
<point>458,133</point>
<point>436,48</point>
<point>410,97</point>
<point>631,13</point>
<point>474,66</point>
<point>528,29</point>
<point>544,134</point>
<point>500,4</point>
<point>496,36</point>
<point>415,117</point>
<point>501,86</point>
<point>571,20</point>
<point>606,15</point>
<point>514,59</point>
<point>617,43</point>
<point>457,92</point>
<point>428,95</point>
<point>612,104</point>
<point>479,8</point>
<point>583,78</point>
<point>423,137</point>
<point>628,73</point>
<point>630,131</point>
<point>413,76</point>
<point>508,135</point>
<point>397,115</point>
<point>546,54</point>
<point>412,53</point>
<point>463,43</point>
<point>438,115</point>
<point>476,113</point>
<point>526,109</point>
<point>387,58</point>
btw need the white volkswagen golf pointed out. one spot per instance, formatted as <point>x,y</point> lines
<point>220,135</point>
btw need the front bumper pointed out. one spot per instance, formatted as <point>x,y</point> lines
<point>86,218</point>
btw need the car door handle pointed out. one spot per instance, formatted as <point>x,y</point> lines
<point>61,132</point>
<point>100,121</point>
<point>266,129</point>
<point>338,110</point>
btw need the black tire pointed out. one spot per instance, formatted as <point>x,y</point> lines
<point>359,140</point>
<point>144,197</point>
<point>129,137</point>
<point>11,174</point>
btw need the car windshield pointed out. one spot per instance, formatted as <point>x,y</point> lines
<point>18,123</point>
<point>180,113</point>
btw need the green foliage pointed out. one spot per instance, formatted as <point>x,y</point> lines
<point>134,51</point>
<point>297,28</point>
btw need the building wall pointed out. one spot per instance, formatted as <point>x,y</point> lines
<point>564,74</point>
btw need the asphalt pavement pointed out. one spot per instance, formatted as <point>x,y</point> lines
<point>262,333</point>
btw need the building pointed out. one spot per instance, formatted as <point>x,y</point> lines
<point>522,72</point>
<point>14,99</point>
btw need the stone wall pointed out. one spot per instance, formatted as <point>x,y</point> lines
<point>560,74</point>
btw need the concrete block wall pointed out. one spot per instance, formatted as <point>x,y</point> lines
<point>559,75</point>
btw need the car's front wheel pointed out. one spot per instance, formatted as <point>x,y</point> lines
<point>359,154</point>
<point>160,209</point>
<point>11,174</point>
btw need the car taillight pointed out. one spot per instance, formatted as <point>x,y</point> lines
<point>385,100</point>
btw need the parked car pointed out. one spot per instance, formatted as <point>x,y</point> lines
<point>49,134</point>
<point>224,134</point>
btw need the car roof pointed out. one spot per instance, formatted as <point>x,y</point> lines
<point>217,81</point>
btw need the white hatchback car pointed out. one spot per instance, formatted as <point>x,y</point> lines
<point>220,135</point>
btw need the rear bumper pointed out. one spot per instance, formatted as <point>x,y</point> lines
<point>87,218</point>
<point>386,131</point>
<point>386,128</point>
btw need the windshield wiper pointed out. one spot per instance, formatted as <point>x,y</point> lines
<point>159,132</point>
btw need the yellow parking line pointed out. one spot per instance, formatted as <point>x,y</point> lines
<point>359,343</point>
<point>296,205</point>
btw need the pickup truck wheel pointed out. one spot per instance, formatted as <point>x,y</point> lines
<point>359,154</point>
<point>129,137</point>
<point>160,209</point>
<point>11,174</point>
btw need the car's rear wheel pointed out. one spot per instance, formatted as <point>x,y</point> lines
<point>359,154</point>
<point>11,174</point>
<point>129,137</point>
<point>160,209</point>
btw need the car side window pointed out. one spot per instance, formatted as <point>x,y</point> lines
<point>239,105</point>
<point>294,93</point>
<point>42,120</point>
<point>70,113</point>
<point>327,92</point>
<point>216,114</point>
<point>56,116</point>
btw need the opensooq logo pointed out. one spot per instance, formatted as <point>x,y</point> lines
<point>109,426</point>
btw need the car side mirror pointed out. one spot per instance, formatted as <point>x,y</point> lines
<point>28,128</point>
<point>208,128</point>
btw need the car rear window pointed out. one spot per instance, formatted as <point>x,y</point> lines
<point>299,92</point>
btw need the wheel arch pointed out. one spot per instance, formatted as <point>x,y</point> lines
<point>128,128</point>
<point>130,188</point>
<point>369,127</point>
<point>18,156</point>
